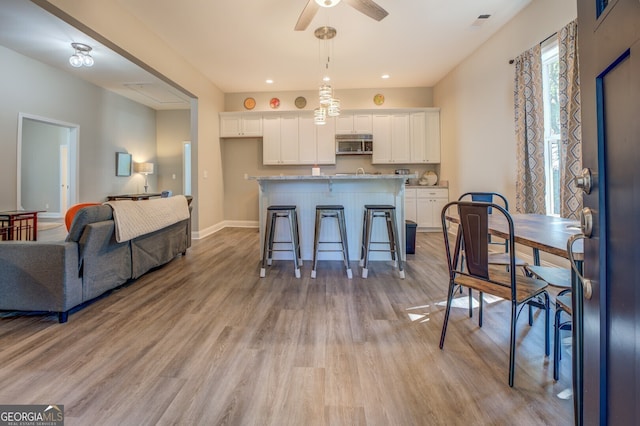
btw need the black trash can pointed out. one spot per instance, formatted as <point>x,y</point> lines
<point>411,236</point>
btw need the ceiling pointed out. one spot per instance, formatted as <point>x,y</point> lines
<point>238,45</point>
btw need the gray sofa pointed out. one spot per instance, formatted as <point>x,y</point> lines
<point>58,276</point>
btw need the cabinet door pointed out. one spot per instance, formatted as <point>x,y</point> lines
<point>344,124</point>
<point>418,137</point>
<point>251,125</point>
<point>326,142</point>
<point>410,205</point>
<point>424,212</point>
<point>271,140</point>
<point>230,126</point>
<point>307,140</point>
<point>289,139</point>
<point>353,123</point>
<point>362,123</point>
<point>432,137</point>
<point>381,139</point>
<point>400,144</point>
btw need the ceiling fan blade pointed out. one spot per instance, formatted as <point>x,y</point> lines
<point>307,15</point>
<point>369,8</point>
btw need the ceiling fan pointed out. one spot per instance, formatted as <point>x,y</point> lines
<point>368,7</point>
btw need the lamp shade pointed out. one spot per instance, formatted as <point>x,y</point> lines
<point>144,168</point>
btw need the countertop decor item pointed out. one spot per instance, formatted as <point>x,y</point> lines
<point>428,178</point>
<point>300,102</point>
<point>274,103</point>
<point>249,103</point>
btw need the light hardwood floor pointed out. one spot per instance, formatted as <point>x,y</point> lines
<point>205,341</point>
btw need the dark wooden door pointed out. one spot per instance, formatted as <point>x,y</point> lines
<point>609,55</point>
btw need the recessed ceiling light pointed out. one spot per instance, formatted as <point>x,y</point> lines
<point>385,76</point>
<point>269,81</point>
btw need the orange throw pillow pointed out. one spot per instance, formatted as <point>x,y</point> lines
<point>71,213</point>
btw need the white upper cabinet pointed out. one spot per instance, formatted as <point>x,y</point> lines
<point>391,139</point>
<point>280,139</point>
<point>348,123</point>
<point>411,137</point>
<point>316,142</point>
<point>425,136</point>
<point>233,125</point>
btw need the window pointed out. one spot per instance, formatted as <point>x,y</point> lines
<point>551,125</point>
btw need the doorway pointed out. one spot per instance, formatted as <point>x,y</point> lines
<point>46,165</point>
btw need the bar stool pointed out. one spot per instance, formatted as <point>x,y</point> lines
<point>337,212</point>
<point>273,214</point>
<point>387,212</point>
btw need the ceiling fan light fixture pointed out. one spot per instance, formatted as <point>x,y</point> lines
<point>81,55</point>
<point>75,60</point>
<point>327,3</point>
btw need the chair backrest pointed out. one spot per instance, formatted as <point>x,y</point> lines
<point>472,218</point>
<point>486,197</point>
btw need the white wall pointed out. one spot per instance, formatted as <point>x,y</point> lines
<point>476,103</point>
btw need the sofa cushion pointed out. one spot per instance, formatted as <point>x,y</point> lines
<point>88,215</point>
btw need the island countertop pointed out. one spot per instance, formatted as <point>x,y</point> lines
<point>338,176</point>
<point>350,190</point>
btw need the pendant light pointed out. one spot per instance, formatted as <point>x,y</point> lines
<point>329,105</point>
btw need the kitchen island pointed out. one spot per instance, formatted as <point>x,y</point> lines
<point>351,191</point>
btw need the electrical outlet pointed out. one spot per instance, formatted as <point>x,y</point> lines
<point>173,176</point>
<point>46,206</point>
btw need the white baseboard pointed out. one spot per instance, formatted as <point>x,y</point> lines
<point>196,235</point>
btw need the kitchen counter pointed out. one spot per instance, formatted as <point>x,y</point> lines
<point>351,191</point>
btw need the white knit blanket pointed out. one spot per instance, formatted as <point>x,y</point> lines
<point>135,218</point>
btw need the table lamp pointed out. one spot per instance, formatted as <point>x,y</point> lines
<point>146,169</point>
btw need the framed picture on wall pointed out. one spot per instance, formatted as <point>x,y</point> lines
<point>123,164</point>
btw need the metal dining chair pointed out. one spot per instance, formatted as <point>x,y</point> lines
<point>472,220</point>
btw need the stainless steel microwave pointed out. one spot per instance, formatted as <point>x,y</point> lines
<point>354,144</point>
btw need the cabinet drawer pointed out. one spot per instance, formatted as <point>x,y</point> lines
<point>432,192</point>
<point>410,193</point>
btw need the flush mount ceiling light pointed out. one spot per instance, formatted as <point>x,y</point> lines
<point>81,56</point>
<point>327,3</point>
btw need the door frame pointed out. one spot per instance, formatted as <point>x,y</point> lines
<point>72,163</point>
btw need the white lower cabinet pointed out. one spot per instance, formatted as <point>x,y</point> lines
<point>424,206</point>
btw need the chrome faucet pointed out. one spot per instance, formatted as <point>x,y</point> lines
<point>360,169</point>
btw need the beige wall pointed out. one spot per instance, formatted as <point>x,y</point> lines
<point>476,101</point>
<point>112,22</point>
<point>244,156</point>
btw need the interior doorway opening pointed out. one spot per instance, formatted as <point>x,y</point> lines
<point>47,165</point>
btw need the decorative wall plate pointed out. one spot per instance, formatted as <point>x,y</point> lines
<point>378,99</point>
<point>274,103</point>
<point>300,102</point>
<point>249,103</point>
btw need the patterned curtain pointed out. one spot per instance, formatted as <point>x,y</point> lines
<point>570,129</point>
<point>529,117</point>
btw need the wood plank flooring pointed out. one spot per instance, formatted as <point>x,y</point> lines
<point>205,341</point>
